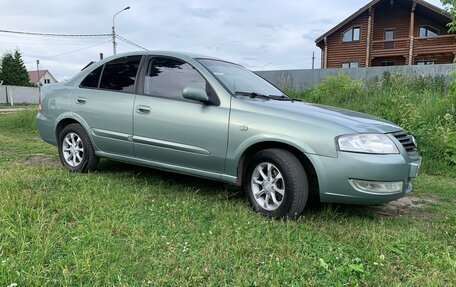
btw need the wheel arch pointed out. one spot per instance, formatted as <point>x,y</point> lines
<point>67,119</point>
<point>314,190</point>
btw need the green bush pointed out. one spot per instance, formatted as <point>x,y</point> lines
<point>424,106</point>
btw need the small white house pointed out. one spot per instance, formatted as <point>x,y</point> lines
<point>45,77</point>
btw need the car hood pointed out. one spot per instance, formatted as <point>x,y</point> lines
<point>358,122</point>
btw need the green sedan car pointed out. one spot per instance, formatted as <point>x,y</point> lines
<point>210,118</point>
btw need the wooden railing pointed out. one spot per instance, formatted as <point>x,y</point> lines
<point>399,43</point>
<point>383,48</point>
<point>401,46</point>
<point>439,44</point>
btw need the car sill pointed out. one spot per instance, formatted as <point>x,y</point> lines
<point>169,167</point>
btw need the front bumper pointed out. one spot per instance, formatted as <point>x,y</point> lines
<point>336,175</point>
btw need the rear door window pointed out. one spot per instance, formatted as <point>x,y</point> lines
<point>120,74</point>
<point>92,79</point>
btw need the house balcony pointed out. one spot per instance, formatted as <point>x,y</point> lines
<point>435,45</point>
<point>443,44</point>
<point>390,48</point>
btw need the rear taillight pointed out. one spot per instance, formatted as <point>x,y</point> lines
<point>40,106</point>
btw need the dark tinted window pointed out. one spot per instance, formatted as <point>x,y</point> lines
<point>91,80</point>
<point>120,74</point>
<point>168,77</point>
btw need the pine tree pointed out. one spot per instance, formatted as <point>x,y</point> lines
<point>13,71</point>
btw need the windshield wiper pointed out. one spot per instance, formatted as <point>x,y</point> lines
<point>280,98</point>
<point>252,95</point>
<point>269,97</point>
<point>283,98</point>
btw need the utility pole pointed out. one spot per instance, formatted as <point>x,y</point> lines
<point>313,60</point>
<point>114,44</point>
<point>113,40</point>
<point>38,71</point>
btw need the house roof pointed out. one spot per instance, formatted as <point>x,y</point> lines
<point>423,3</point>
<point>34,77</point>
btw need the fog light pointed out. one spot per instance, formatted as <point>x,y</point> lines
<point>377,186</point>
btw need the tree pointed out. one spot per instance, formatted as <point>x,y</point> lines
<point>13,71</point>
<point>450,6</point>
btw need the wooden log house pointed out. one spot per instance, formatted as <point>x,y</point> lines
<point>388,33</point>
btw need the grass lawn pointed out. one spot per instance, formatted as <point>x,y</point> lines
<point>127,225</point>
<point>19,106</point>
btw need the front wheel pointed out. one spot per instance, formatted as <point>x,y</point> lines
<point>277,184</point>
<point>75,149</point>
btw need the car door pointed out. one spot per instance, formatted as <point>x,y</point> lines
<point>105,101</point>
<point>172,130</point>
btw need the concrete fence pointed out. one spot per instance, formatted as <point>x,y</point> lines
<point>300,79</point>
<point>13,95</point>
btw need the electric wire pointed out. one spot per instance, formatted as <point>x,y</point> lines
<point>69,52</point>
<point>130,42</point>
<point>53,34</point>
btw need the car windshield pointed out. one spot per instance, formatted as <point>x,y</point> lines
<point>241,81</point>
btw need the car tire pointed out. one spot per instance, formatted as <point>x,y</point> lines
<point>276,184</point>
<point>76,150</point>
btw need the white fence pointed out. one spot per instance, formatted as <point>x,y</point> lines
<point>13,95</point>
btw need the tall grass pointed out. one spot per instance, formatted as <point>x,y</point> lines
<point>424,106</point>
<point>18,121</point>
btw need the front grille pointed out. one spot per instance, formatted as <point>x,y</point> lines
<point>406,141</point>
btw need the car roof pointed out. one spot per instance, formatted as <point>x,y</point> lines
<point>181,55</point>
<point>176,54</point>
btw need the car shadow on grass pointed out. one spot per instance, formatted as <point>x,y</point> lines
<point>408,206</point>
<point>207,187</point>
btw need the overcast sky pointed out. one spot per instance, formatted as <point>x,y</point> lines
<point>259,34</point>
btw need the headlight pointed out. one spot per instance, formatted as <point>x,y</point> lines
<point>367,143</point>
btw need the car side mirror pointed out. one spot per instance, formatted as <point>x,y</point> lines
<point>195,94</point>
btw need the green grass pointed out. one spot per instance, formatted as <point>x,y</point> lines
<point>18,106</point>
<point>130,226</point>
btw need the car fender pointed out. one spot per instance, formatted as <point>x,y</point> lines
<point>280,138</point>
<point>80,120</point>
<point>234,157</point>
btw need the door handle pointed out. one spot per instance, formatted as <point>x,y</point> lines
<point>143,110</point>
<point>81,101</point>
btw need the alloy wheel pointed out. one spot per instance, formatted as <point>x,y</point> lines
<point>73,149</point>
<point>268,186</point>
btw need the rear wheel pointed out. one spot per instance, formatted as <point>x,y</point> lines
<point>75,149</point>
<point>276,184</point>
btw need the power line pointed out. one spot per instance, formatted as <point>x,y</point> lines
<point>53,34</point>
<point>72,51</point>
<point>130,42</point>
<point>21,40</point>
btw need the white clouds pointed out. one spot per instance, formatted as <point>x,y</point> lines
<point>255,33</point>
